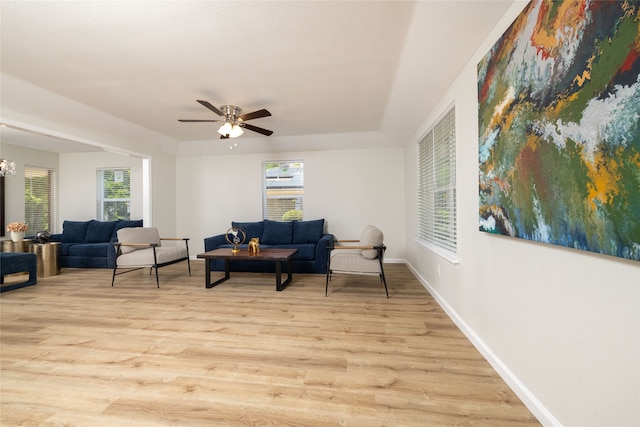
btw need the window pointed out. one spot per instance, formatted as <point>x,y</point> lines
<point>114,194</point>
<point>283,190</point>
<point>437,187</point>
<point>39,200</point>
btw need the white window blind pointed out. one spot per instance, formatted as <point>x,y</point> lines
<point>39,199</point>
<point>437,224</point>
<point>113,199</point>
<point>283,190</point>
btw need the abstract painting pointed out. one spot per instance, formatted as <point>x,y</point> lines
<point>559,139</point>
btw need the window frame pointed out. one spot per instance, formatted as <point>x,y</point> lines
<point>295,192</point>
<point>100,196</point>
<point>436,162</point>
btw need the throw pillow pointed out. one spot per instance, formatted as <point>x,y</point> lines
<point>277,233</point>
<point>308,231</point>
<point>371,236</point>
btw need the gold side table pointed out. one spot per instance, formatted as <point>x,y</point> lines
<point>47,258</point>
<point>11,246</point>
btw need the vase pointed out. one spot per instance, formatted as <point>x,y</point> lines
<point>17,236</point>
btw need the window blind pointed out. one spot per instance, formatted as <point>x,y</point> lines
<point>39,200</point>
<point>437,222</point>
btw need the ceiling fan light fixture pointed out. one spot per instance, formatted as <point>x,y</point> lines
<point>230,130</point>
<point>225,129</point>
<point>236,131</point>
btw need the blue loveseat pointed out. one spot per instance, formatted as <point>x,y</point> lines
<point>89,244</point>
<point>306,236</point>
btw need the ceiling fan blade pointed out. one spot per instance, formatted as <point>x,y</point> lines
<point>256,129</point>
<point>255,115</point>
<point>187,120</point>
<point>210,107</point>
<point>224,136</point>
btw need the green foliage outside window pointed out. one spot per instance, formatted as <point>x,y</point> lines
<point>36,199</point>
<point>115,194</point>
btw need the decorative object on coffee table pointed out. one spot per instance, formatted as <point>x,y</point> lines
<point>43,236</point>
<point>254,246</point>
<point>17,230</point>
<point>236,240</point>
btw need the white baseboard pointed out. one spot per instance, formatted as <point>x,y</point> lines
<point>530,401</point>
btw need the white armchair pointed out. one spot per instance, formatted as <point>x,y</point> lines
<point>364,256</point>
<point>140,247</point>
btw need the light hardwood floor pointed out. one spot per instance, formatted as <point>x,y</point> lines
<point>75,351</point>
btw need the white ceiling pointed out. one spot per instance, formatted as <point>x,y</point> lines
<point>320,67</point>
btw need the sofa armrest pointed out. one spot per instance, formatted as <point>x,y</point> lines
<point>55,237</point>
<point>213,242</point>
<point>322,248</point>
<point>111,253</point>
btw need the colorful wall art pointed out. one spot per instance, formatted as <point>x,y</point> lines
<point>559,139</point>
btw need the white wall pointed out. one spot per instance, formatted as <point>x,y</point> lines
<point>163,195</point>
<point>562,326</point>
<point>348,188</point>
<point>14,185</point>
<point>77,183</point>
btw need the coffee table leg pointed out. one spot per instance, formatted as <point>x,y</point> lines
<point>279,284</point>
<point>278,275</point>
<point>289,270</point>
<point>227,274</point>
<point>207,273</point>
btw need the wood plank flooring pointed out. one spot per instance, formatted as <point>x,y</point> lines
<point>75,351</point>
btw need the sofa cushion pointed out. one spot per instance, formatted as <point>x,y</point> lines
<point>277,233</point>
<point>74,231</point>
<point>64,248</point>
<point>308,231</point>
<point>99,231</point>
<point>306,251</point>
<point>371,236</point>
<point>88,250</point>
<point>251,229</point>
<point>125,223</point>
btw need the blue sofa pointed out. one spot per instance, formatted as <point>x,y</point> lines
<point>89,244</point>
<point>306,236</point>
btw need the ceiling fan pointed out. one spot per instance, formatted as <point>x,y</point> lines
<point>233,120</point>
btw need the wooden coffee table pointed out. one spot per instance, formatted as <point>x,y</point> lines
<point>273,255</point>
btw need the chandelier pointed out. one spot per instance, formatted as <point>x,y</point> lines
<point>7,168</point>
